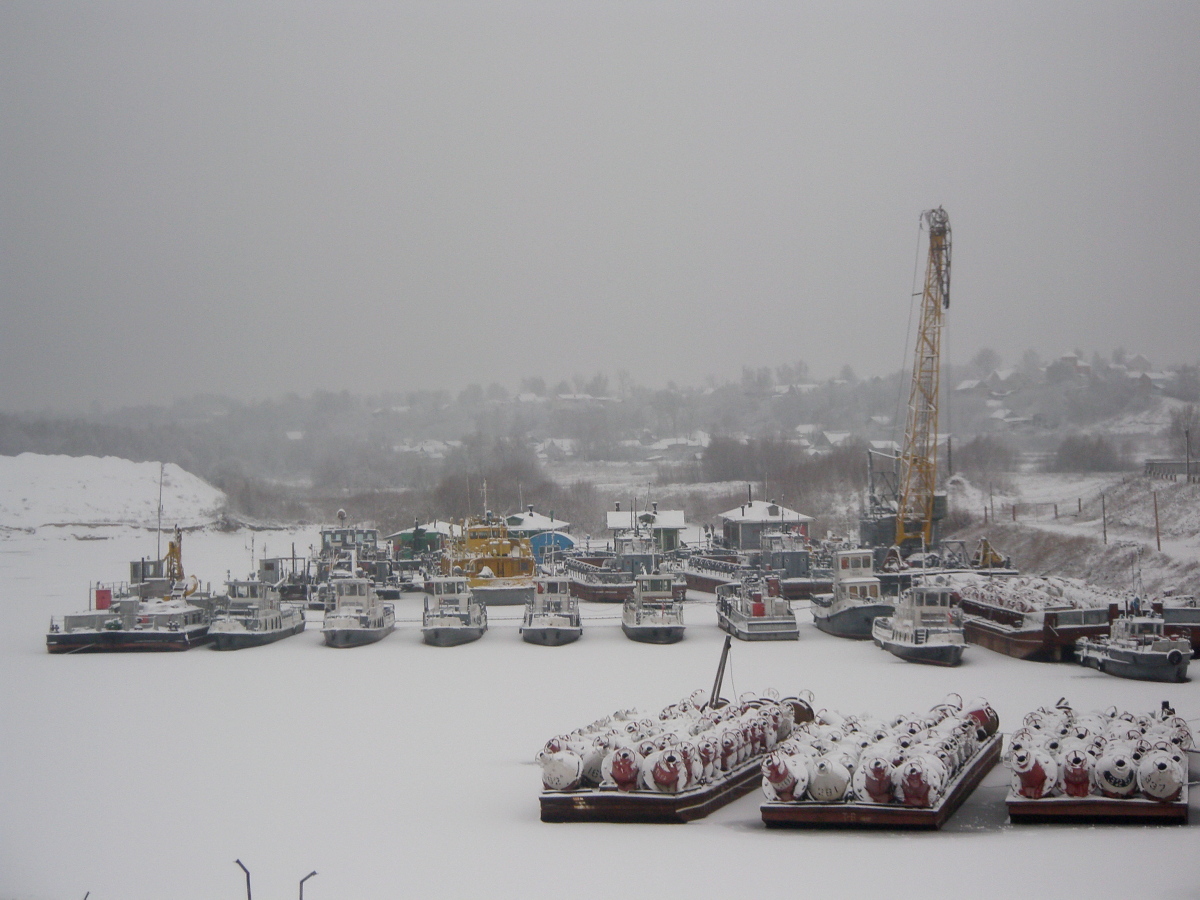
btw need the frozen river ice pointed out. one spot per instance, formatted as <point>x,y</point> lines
<point>401,769</point>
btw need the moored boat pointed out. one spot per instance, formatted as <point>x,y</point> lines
<point>653,615</point>
<point>856,600</point>
<point>1028,617</point>
<point>357,616</point>
<point>452,615</point>
<point>157,609</point>
<point>253,615</point>
<point>756,610</point>
<point>785,554</point>
<point>499,566</point>
<point>552,616</point>
<point>926,626</point>
<point>1138,647</point>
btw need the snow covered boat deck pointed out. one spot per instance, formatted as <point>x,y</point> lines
<point>809,814</point>
<point>1098,810</point>
<point>612,805</point>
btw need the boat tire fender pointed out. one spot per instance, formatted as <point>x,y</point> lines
<point>1175,657</point>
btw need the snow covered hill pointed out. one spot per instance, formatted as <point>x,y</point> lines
<point>37,490</point>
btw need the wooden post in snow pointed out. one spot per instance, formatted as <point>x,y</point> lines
<point>1104,518</point>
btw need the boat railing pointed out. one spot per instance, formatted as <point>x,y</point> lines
<point>716,566</point>
<point>596,575</point>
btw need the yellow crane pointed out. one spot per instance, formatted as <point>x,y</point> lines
<point>918,459</point>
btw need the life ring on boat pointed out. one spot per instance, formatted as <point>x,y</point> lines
<point>1175,657</point>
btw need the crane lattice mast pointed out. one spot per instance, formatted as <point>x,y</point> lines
<point>918,460</point>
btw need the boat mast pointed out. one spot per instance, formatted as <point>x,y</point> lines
<point>158,543</point>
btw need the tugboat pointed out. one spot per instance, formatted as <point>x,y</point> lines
<point>453,615</point>
<point>1137,647</point>
<point>157,609</point>
<point>552,616</point>
<point>357,615</point>
<point>856,600</point>
<point>927,626</point>
<point>253,616</point>
<point>653,615</point>
<point>498,565</point>
<point>756,610</point>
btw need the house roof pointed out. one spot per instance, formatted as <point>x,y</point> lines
<point>764,511</point>
<point>534,522</point>
<point>444,528</point>
<point>622,520</point>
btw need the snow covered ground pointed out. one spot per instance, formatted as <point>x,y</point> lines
<point>399,769</point>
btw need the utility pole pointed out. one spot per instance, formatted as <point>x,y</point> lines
<point>1104,518</point>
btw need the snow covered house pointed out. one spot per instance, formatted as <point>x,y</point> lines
<point>743,526</point>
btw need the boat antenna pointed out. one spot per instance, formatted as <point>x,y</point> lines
<point>158,545</point>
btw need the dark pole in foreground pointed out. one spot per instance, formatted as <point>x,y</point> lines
<point>304,879</point>
<point>247,871</point>
<point>716,692</point>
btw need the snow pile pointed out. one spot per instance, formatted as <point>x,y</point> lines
<point>37,490</point>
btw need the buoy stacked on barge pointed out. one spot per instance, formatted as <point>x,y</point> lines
<point>1113,754</point>
<point>688,745</point>
<point>908,760</point>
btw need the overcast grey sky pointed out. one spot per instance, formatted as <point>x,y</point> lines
<point>253,198</point>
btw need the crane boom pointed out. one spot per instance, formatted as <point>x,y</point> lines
<point>918,460</point>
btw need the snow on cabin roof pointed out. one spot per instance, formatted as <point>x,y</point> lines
<point>836,438</point>
<point>889,446</point>
<point>534,522</point>
<point>622,520</point>
<point>969,385</point>
<point>445,528</point>
<point>764,511</point>
<point>806,430</point>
